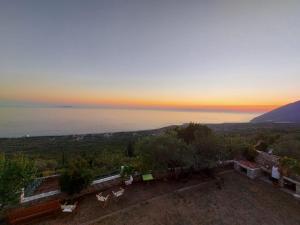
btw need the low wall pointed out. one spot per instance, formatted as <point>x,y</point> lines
<point>251,172</point>
<point>109,182</point>
<point>96,186</point>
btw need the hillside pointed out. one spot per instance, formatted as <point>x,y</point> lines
<point>286,114</point>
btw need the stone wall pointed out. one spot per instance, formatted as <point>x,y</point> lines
<point>266,160</point>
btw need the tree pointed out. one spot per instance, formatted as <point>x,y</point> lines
<point>75,177</point>
<point>63,158</point>
<point>162,152</point>
<point>203,144</point>
<point>234,146</point>
<point>187,134</point>
<point>207,149</point>
<point>288,145</point>
<point>130,149</point>
<point>15,173</point>
<point>265,139</point>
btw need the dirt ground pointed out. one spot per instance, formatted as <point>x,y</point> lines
<point>240,202</point>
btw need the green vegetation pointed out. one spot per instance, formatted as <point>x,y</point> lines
<point>80,159</point>
<point>190,145</point>
<point>76,176</point>
<point>162,152</point>
<point>290,166</point>
<point>206,146</point>
<point>126,171</point>
<point>104,153</point>
<point>130,149</point>
<point>15,173</point>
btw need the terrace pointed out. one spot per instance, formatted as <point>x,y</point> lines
<point>147,198</point>
<point>193,201</point>
<point>134,194</point>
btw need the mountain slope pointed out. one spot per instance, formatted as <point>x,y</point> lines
<point>289,113</point>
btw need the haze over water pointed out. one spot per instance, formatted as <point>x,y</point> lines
<point>43,121</point>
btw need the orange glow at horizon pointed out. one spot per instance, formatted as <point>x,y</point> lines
<point>154,104</point>
<point>146,101</point>
<point>145,98</point>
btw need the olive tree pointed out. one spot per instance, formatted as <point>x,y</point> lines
<point>207,150</point>
<point>162,152</point>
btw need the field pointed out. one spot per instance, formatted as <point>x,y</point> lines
<point>198,201</point>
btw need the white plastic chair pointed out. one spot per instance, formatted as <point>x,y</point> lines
<point>128,182</point>
<point>68,208</point>
<point>119,193</point>
<point>102,199</point>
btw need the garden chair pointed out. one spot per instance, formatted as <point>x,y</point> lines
<point>69,208</point>
<point>118,194</point>
<point>103,200</point>
<point>129,182</point>
<point>147,177</point>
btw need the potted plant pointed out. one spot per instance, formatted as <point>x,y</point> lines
<point>126,174</point>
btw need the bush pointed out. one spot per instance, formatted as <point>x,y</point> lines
<point>75,177</point>
<point>250,154</point>
<point>15,173</point>
<point>290,165</point>
<point>288,145</point>
<point>234,146</point>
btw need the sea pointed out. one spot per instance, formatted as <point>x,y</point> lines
<point>52,121</point>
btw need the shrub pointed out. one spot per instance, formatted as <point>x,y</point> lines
<point>15,173</point>
<point>250,154</point>
<point>75,177</point>
<point>290,165</point>
<point>234,146</point>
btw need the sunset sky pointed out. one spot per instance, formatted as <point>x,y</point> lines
<point>209,55</point>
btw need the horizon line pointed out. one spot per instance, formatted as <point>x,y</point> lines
<point>193,108</point>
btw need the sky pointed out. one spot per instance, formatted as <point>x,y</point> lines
<point>226,54</point>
